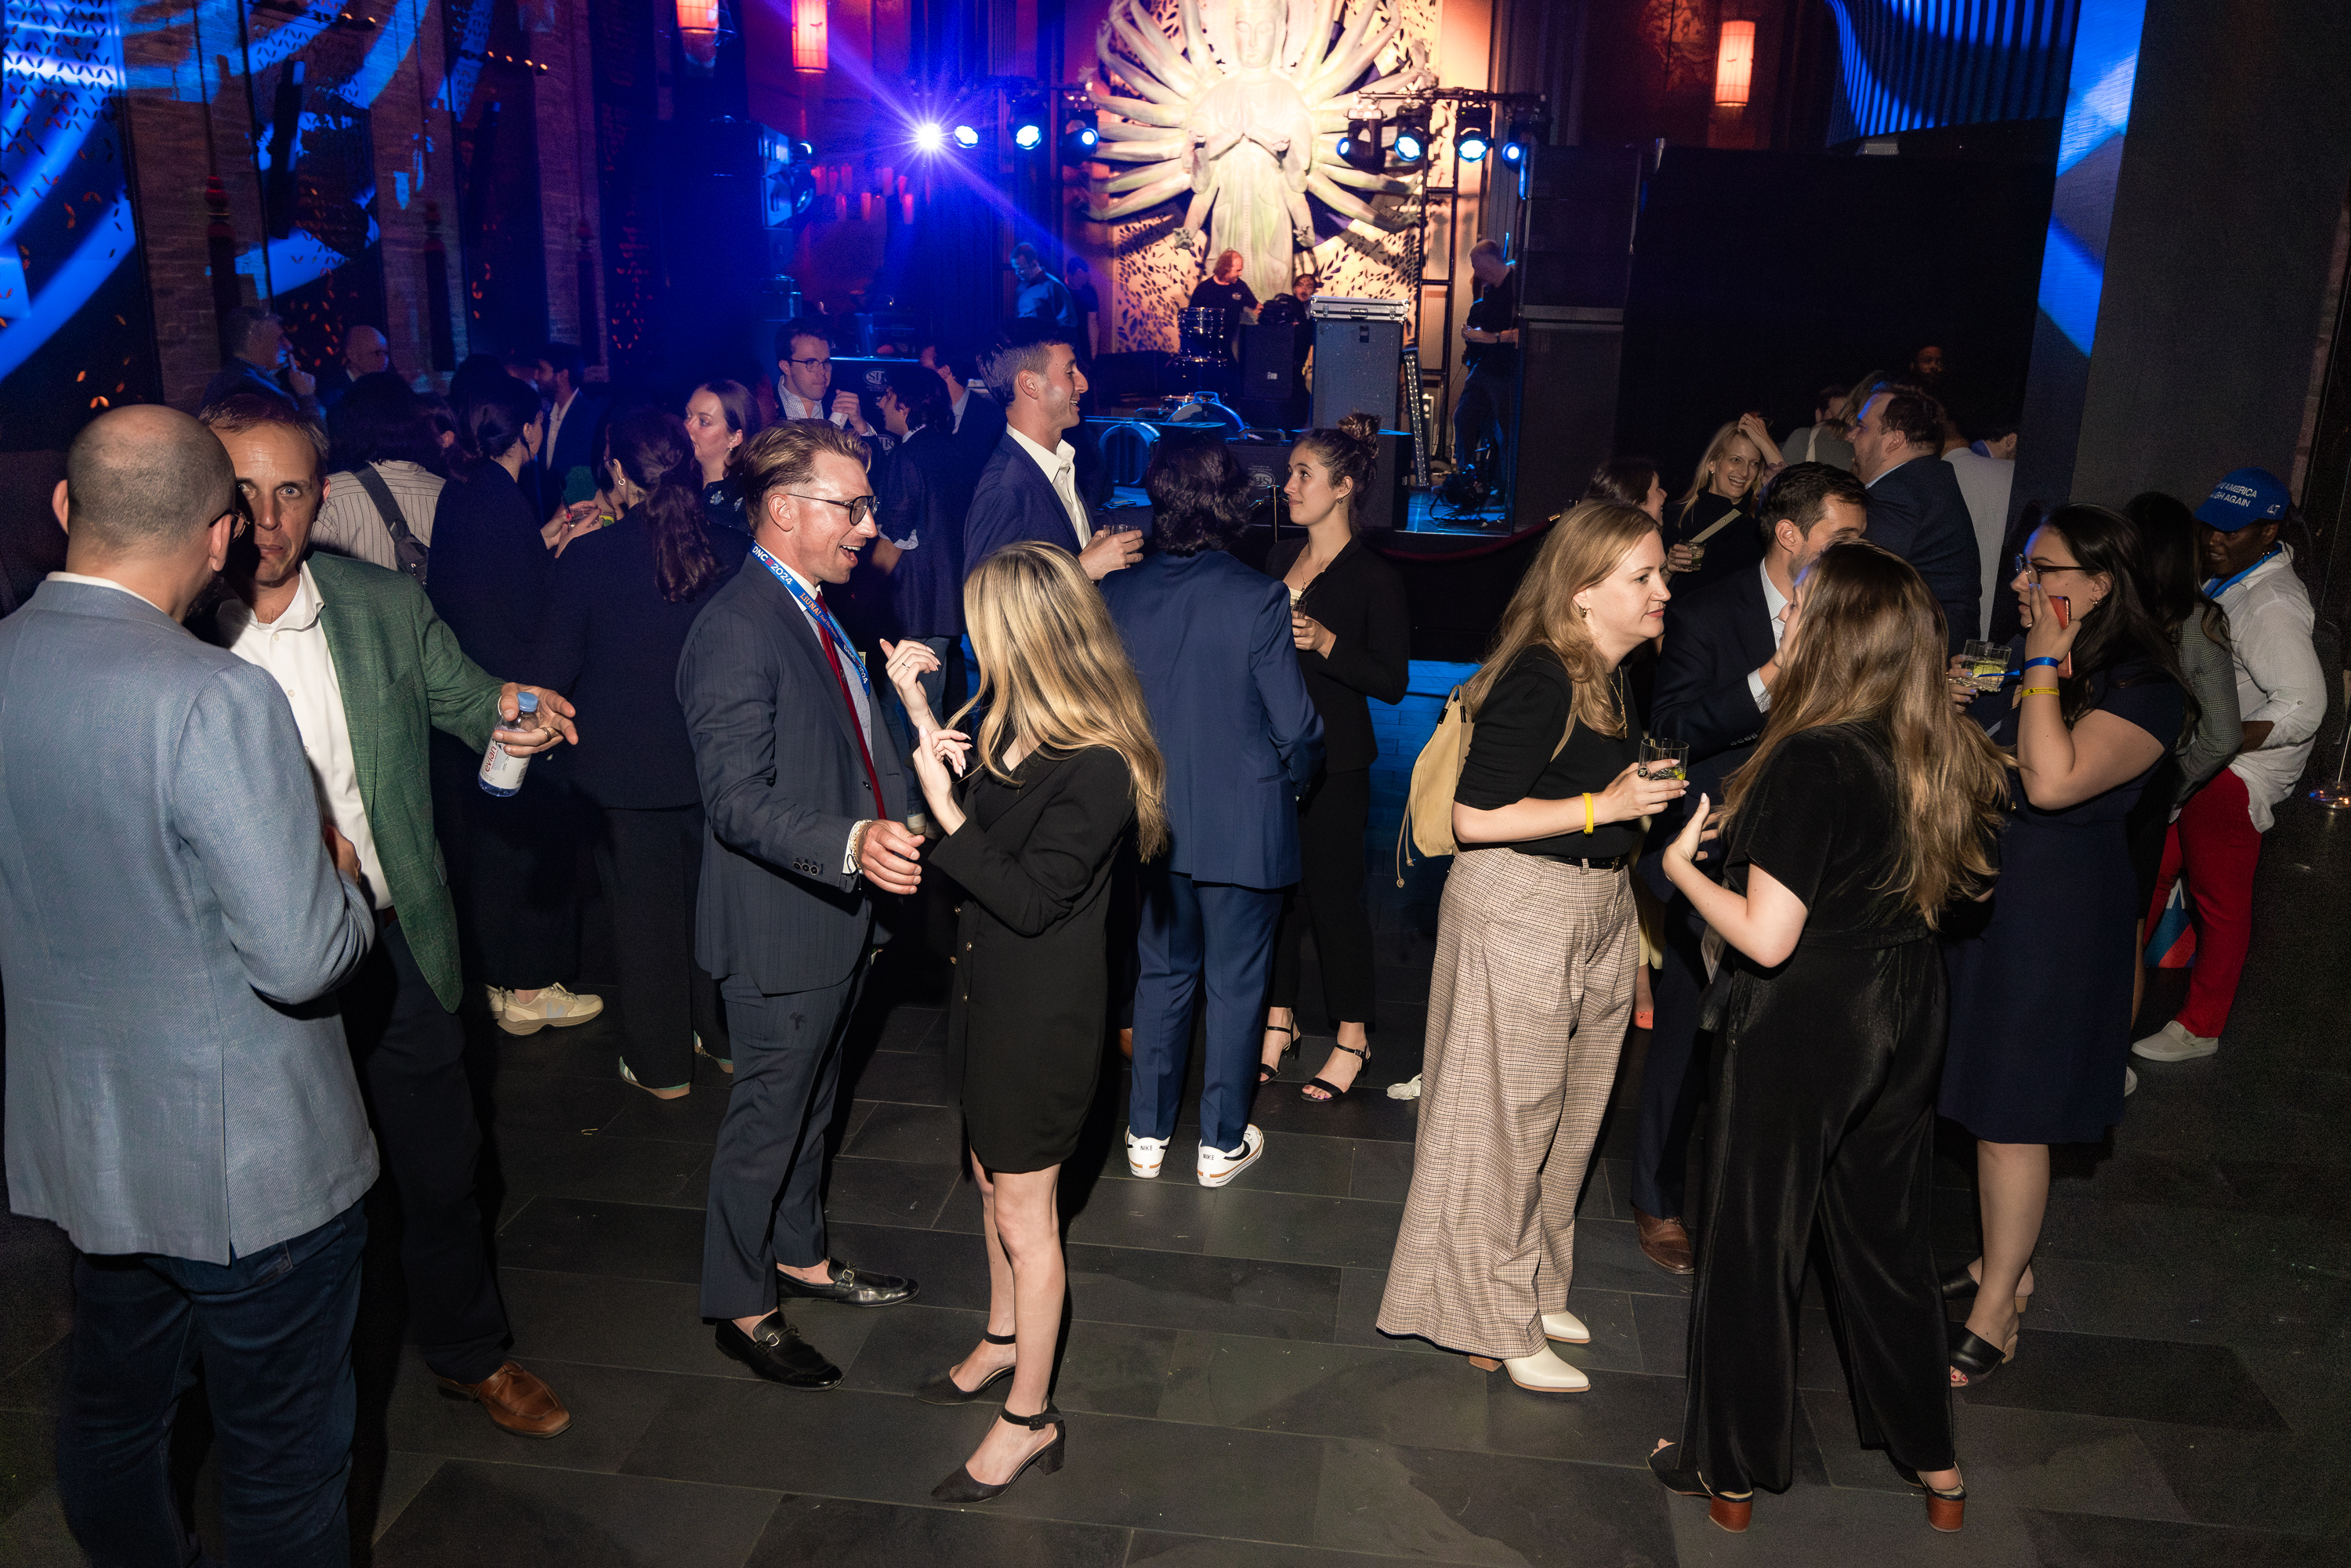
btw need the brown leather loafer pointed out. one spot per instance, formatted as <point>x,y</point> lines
<point>517,1401</point>
<point>1665,1243</point>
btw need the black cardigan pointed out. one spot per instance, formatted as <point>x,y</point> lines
<point>490,568</point>
<point>1361,599</point>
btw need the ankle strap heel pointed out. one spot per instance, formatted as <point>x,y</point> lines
<point>997,1338</point>
<point>1048,1416</point>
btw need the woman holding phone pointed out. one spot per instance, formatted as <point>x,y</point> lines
<point>1868,807</point>
<point>2041,997</point>
<point>1064,768</point>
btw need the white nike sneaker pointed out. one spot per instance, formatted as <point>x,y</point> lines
<point>555,1005</point>
<point>1144,1155</point>
<point>1216,1167</point>
<point>2174,1043</point>
<point>2130,1082</point>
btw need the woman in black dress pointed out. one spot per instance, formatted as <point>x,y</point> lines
<point>1868,807</point>
<point>623,599</point>
<point>1711,531</point>
<point>2041,997</point>
<point>1353,636</point>
<point>1065,766</point>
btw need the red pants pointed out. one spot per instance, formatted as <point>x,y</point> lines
<point>2216,843</point>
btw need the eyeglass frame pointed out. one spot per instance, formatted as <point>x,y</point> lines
<point>2024,568</point>
<point>859,507</point>
<point>826,361</point>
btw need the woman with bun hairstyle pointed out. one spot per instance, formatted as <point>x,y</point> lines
<point>719,418</point>
<point>1354,637</point>
<point>1870,806</point>
<point>623,600</point>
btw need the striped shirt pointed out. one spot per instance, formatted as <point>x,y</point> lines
<point>349,525</point>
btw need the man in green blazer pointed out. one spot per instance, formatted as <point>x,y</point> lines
<point>370,672</point>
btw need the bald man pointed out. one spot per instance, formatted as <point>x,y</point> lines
<point>365,351</point>
<point>174,920</point>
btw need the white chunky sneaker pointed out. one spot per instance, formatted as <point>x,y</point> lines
<point>2173,1043</point>
<point>2130,1082</point>
<point>1144,1155</point>
<point>1566,1328</point>
<point>1216,1167</point>
<point>555,1005</point>
<point>1542,1373</point>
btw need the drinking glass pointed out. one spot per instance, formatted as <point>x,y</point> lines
<point>1988,664</point>
<point>1662,758</point>
<point>1697,554</point>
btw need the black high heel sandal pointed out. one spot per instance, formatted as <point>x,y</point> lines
<point>961,1488</point>
<point>944,1389</point>
<point>1731,1512</point>
<point>1331,1092</point>
<point>1265,1074</point>
<point>1976,1358</point>
<point>1946,1511</point>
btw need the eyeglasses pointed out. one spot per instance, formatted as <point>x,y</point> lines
<point>2027,567</point>
<point>859,507</point>
<point>826,361</point>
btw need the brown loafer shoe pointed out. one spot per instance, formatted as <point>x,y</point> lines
<point>517,1401</point>
<point>1665,1243</point>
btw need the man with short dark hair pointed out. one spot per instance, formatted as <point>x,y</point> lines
<point>804,378</point>
<point>926,494</point>
<point>974,417</point>
<point>1715,675</point>
<point>370,672</point>
<point>1029,487</point>
<point>1043,300</point>
<point>1916,506</point>
<point>172,912</point>
<point>255,341</point>
<point>560,376</point>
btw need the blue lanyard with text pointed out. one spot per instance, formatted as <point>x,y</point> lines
<point>2213,592</point>
<point>850,657</point>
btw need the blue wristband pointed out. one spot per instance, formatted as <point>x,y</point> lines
<point>2030,662</point>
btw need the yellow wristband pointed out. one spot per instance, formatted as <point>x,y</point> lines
<point>1587,810</point>
<point>2038,691</point>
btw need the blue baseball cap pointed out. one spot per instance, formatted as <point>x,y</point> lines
<point>2245,496</point>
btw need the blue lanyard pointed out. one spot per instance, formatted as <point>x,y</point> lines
<point>2214,593</point>
<point>851,658</point>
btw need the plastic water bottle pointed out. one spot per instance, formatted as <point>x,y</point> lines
<point>502,770</point>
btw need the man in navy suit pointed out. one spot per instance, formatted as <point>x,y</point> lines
<point>1917,508</point>
<point>1029,488</point>
<point>1211,641</point>
<point>805,804</point>
<point>572,412</point>
<point>1715,675</point>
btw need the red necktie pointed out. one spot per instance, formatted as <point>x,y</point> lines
<point>864,752</point>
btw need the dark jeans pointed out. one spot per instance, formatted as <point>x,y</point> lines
<point>651,863</point>
<point>1488,402</point>
<point>1192,930</point>
<point>410,1055</point>
<point>1329,897</point>
<point>1673,1079</point>
<point>512,870</point>
<point>273,1334</point>
<point>766,1175</point>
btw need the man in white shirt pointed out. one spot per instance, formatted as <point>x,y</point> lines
<point>1987,475</point>
<point>804,378</point>
<point>1029,488</point>
<point>2281,700</point>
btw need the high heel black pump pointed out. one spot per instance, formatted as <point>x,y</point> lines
<point>1945,1509</point>
<point>944,1389</point>
<point>1729,1511</point>
<point>1267,1074</point>
<point>961,1488</point>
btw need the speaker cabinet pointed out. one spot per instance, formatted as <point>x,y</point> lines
<point>1581,202</point>
<point>1358,368</point>
<point>1567,406</point>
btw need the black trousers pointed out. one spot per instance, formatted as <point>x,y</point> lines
<point>1489,402</point>
<point>410,1055</point>
<point>1329,897</point>
<point>513,869</point>
<point>766,1175</point>
<point>1824,1114</point>
<point>651,863</point>
<point>1673,1079</point>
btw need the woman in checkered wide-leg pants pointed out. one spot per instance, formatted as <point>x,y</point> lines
<point>1527,1010</point>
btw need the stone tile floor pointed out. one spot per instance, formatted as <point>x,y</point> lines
<point>2182,1394</point>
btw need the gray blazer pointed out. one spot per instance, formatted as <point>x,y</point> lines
<point>172,931</point>
<point>775,751</point>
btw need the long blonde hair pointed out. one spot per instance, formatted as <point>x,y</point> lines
<point>1584,547</point>
<point>1869,650</point>
<point>1058,676</point>
<point>1715,448</point>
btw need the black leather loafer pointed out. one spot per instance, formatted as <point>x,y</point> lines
<point>777,1353</point>
<point>850,1287</point>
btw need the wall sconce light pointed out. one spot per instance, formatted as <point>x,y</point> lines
<point>810,34</point>
<point>1734,65</point>
<point>698,23</point>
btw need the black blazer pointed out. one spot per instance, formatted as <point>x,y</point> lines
<point>1015,501</point>
<point>610,641</point>
<point>1361,599</point>
<point>982,428</point>
<point>925,492</point>
<point>575,444</point>
<point>775,755</point>
<point>490,570</point>
<point>1918,511</point>
<point>1715,637</point>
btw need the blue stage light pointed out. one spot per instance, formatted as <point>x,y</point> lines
<point>1027,137</point>
<point>1409,146</point>
<point>1029,123</point>
<point>1513,154</point>
<point>966,137</point>
<point>1473,132</point>
<point>929,137</point>
<point>1079,139</point>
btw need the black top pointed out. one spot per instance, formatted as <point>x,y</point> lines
<point>722,502</point>
<point>490,568</point>
<point>926,493</point>
<point>1824,819</point>
<point>1361,599</point>
<point>1511,757</point>
<point>1736,547</point>
<point>610,641</point>
<point>1497,310</point>
<point>1232,298</point>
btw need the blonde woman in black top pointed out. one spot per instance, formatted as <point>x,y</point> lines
<point>1353,636</point>
<point>1534,981</point>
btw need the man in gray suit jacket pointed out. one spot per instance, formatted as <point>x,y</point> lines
<point>179,1098</point>
<point>806,803</point>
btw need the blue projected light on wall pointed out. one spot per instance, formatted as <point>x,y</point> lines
<point>1913,65</point>
<point>2089,153</point>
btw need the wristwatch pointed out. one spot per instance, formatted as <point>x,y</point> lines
<point>856,842</point>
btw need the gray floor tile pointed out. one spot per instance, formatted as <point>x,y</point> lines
<point>1341,1232</point>
<point>811,1530</point>
<point>522,1515</point>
